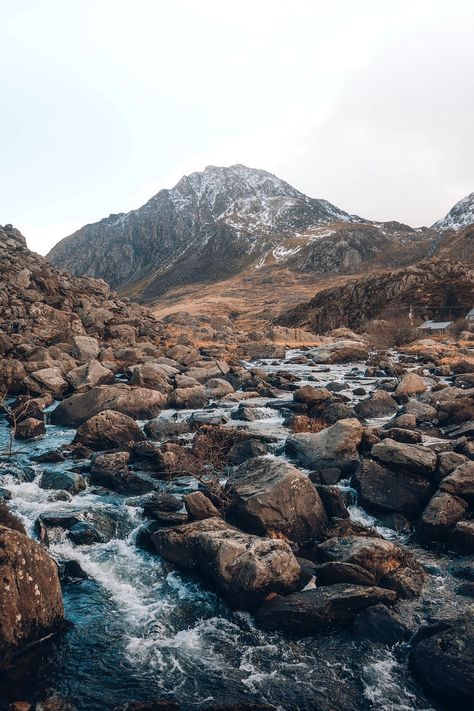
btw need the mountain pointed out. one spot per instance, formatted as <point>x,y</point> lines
<point>208,227</point>
<point>432,288</point>
<point>461,215</point>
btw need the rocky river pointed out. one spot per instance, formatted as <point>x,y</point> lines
<point>144,630</point>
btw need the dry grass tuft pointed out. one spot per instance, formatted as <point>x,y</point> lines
<point>303,423</point>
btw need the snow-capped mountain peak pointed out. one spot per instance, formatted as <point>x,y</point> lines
<point>461,215</point>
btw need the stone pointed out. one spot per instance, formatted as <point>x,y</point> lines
<point>334,572</point>
<point>83,534</point>
<point>138,403</point>
<point>189,398</point>
<point>440,516</point>
<point>271,497</point>
<point>381,489</point>
<point>310,396</point>
<point>161,501</point>
<point>379,404</point>
<point>199,506</point>
<point>217,388</point>
<point>30,428</point>
<point>108,430</point>
<point>245,450</point>
<point>333,501</point>
<point>112,471</point>
<point>319,609</point>
<point>381,625</point>
<point>88,376</point>
<point>46,380</point>
<point>153,376</point>
<point>67,481</point>
<point>413,457</point>
<point>31,606</point>
<point>335,446</point>
<point>462,537</point>
<point>461,481</point>
<point>85,348</point>
<point>411,384</point>
<point>401,435</point>
<point>442,662</point>
<point>244,568</point>
<point>160,429</point>
<point>376,555</point>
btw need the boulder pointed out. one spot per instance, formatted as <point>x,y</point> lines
<point>89,375</point>
<point>139,403</point>
<point>319,609</point>
<point>440,516</point>
<point>462,537</point>
<point>461,481</point>
<point>67,481</point>
<point>442,662</point>
<point>85,348</point>
<point>153,376</point>
<point>411,384</point>
<point>310,396</point>
<point>333,501</point>
<point>269,496</point>
<point>46,380</point>
<point>161,501</point>
<point>381,489</point>
<point>381,625</point>
<point>83,534</point>
<point>199,506</point>
<point>217,388</point>
<point>112,471</point>
<point>160,429</point>
<point>335,446</point>
<point>244,568</point>
<point>31,606</point>
<point>422,411</point>
<point>376,555</point>
<point>30,428</point>
<point>413,457</point>
<point>108,430</point>
<point>189,398</point>
<point>246,449</point>
<point>379,404</point>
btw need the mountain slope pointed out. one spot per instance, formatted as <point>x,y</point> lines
<point>431,288</point>
<point>460,216</point>
<point>208,227</point>
<point>217,221</point>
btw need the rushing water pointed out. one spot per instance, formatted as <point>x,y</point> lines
<point>144,631</point>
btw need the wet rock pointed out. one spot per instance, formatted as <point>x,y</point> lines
<point>208,417</point>
<point>85,348</point>
<point>244,568</point>
<point>381,625</point>
<point>217,388</point>
<point>83,534</point>
<point>68,481</point>
<point>379,404</point>
<point>112,471</point>
<point>319,609</point>
<point>333,501</point>
<point>447,463</point>
<point>246,449</point>
<point>376,555</point>
<point>407,581</point>
<point>466,589</point>
<point>440,516</point>
<point>412,457</point>
<point>335,446</point>
<point>401,435</point>
<point>381,489</point>
<point>268,496</point>
<point>199,506</point>
<point>31,604</point>
<point>462,537</point>
<point>442,662</point>
<point>138,403</point>
<point>247,413</point>
<point>161,501</point>
<point>30,428</point>
<point>160,429</point>
<point>5,494</point>
<point>335,572</point>
<point>108,430</point>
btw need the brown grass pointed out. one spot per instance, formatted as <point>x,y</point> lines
<point>303,423</point>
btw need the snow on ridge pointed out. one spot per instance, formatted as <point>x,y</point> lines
<point>461,215</point>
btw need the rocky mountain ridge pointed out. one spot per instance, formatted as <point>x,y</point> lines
<point>461,215</point>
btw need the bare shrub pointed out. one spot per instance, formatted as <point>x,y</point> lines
<point>303,423</point>
<point>391,333</point>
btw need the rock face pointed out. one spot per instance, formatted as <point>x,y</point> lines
<point>268,496</point>
<point>320,609</point>
<point>244,568</point>
<point>443,662</point>
<point>31,604</point>
<point>215,223</point>
<point>138,403</point>
<point>108,430</point>
<point>335,446</point>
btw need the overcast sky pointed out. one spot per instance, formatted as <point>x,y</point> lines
<point>103,102</point>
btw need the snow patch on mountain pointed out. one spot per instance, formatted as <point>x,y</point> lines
<point>461,215</point>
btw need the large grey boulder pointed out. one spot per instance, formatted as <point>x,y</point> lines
<point>379,404</point>
<point>243,567</point>
<point>89,375</point>
<point>269,496</point>
<point>108,430</point>
<point>85,348</point>
<point>139,403</point>
<point>413,457</point>
<point>46,380</point>
<point>335,446</point>
<point>153,376</point>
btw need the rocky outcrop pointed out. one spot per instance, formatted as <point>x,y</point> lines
<point>244,568</point>
<point>31,606</point>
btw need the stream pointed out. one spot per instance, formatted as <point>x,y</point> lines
<point>143,631</point>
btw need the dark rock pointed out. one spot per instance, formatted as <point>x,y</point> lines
<point>440,516</point>
<point>333,501</point>
<point>413,457</point>
<point>83,534</point>
<point>379,404</point>
<point>381,625</point>
<point>160,429</point>
<point>68,481</point>
<point>462,537</point>
<point>199,506</point>
<point>246,449</point>
<point>30,428</point>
